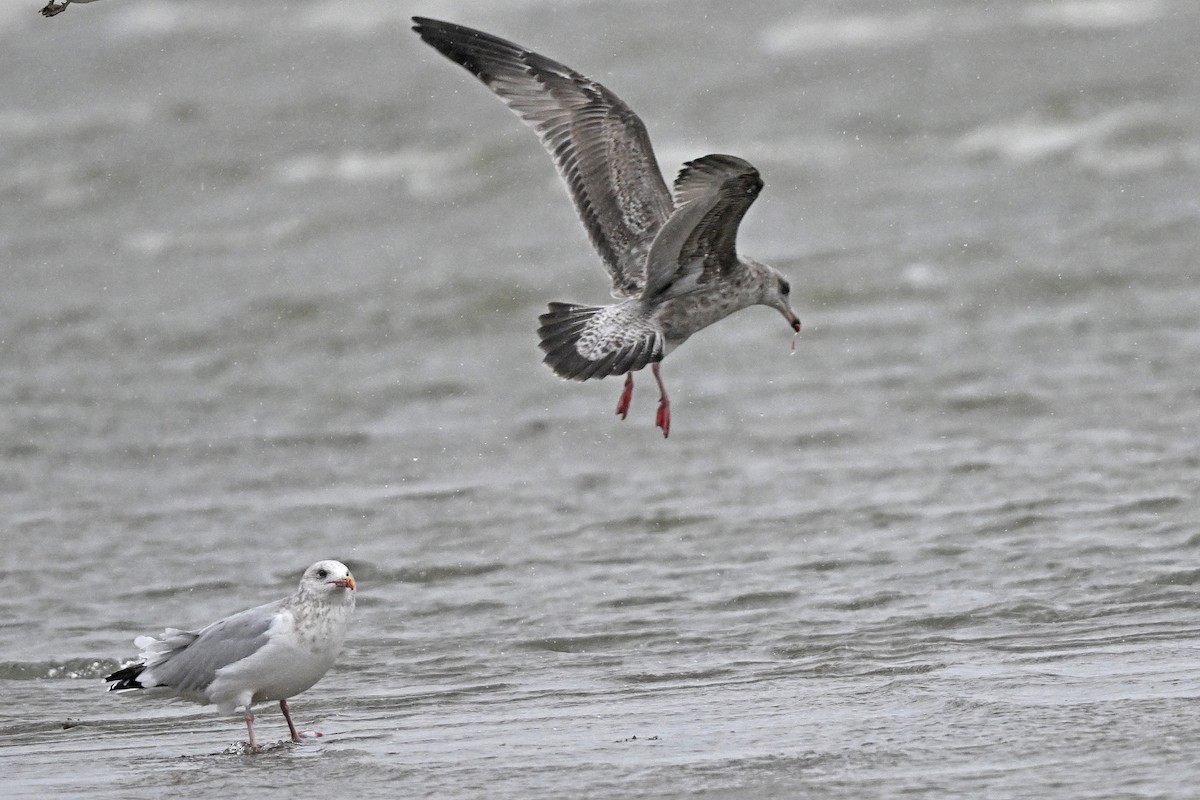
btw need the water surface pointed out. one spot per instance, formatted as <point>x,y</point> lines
<point>269,293</point>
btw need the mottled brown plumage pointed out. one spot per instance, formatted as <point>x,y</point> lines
<point>673,260</point>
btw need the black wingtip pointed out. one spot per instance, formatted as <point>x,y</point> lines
<point>429,29</point>
<point>718,164</point>
<point>422,27</point>
<point>433,30</point>
<point>460,44</point>
<point>126,678</point>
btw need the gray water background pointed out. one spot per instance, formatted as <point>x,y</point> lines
<point>269,281</point>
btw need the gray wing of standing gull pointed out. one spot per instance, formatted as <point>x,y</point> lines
<point>599,145</point>
<point>188,662</point>
<point>699,241</point>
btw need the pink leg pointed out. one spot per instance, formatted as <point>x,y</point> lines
<point>626,396</point>
<point>283,706</point>
<point>663,418</point>
<point>254,748</point>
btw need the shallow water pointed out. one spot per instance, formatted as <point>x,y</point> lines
<point>270,286</point>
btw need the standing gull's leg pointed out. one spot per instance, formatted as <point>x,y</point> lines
<point>283,706</point>
<point>287,715</point>
<point>626,396</point>
<point>663,418</point>
<point>254,748</point>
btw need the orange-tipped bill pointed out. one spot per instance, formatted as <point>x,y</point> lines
<point>345,583</point>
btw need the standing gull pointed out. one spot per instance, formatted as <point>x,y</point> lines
<point>264,654</point>
<point>673,260</point>
<point>53,8</point>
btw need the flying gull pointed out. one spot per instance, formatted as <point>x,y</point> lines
<point>53,8</point>
<point>672,258</point>
<point>264,654</point>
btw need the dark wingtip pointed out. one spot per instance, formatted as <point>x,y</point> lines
<point>717,169</point>
<point>460,44</point>
<point>426,27</point>
<point>126,678</point>
<point>422,24</point>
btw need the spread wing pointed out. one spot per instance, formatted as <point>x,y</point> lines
<point>599,145</point>
<point>699,241</point>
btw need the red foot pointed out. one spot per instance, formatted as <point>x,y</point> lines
<point>663,418</point>
<point>626,396</point>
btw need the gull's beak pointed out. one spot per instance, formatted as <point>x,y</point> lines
<point>345,583</point>
<point>780,303</point>
<point>792,320</point>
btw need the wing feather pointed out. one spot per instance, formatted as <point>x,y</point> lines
<point>699,241</point>
<point>189,663</point>
<point>599,145</point>
<point>730,185</point>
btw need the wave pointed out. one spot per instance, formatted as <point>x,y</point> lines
<point>809,32</point>
<point>1094,14</point>
<point>27,123</point>
<point>424,173</point>
<point>153,243</point>
<point>69,669</point>
<point>1135,138</point>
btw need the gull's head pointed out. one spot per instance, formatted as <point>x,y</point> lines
<point>775,291</point>
<point>327,578</point>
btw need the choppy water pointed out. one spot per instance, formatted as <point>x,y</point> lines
<point>270,279</point>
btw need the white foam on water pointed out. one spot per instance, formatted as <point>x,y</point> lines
<point>152,20</point>
<point>370,17</point>
<point>363,20</point>
<point>1101,14</point>
<point>1093,141</point>
<point>809,32</point>
<point>32,123</point>
<point>152,242</point>
<point>424,173</point>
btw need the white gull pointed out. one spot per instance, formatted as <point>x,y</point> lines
<point>673,261</point>
<point>264,654</point>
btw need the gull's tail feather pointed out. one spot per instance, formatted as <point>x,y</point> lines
<point>126,678</point>
<point>582,342</point>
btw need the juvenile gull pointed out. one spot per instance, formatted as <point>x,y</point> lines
<point>264,654</point>
<point>53,8</point>
<point>672,259</point>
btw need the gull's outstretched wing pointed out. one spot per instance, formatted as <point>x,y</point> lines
<point>699,241</point>
<point>598,144</point>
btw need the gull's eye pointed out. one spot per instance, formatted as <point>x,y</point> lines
<point>322,574</point>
